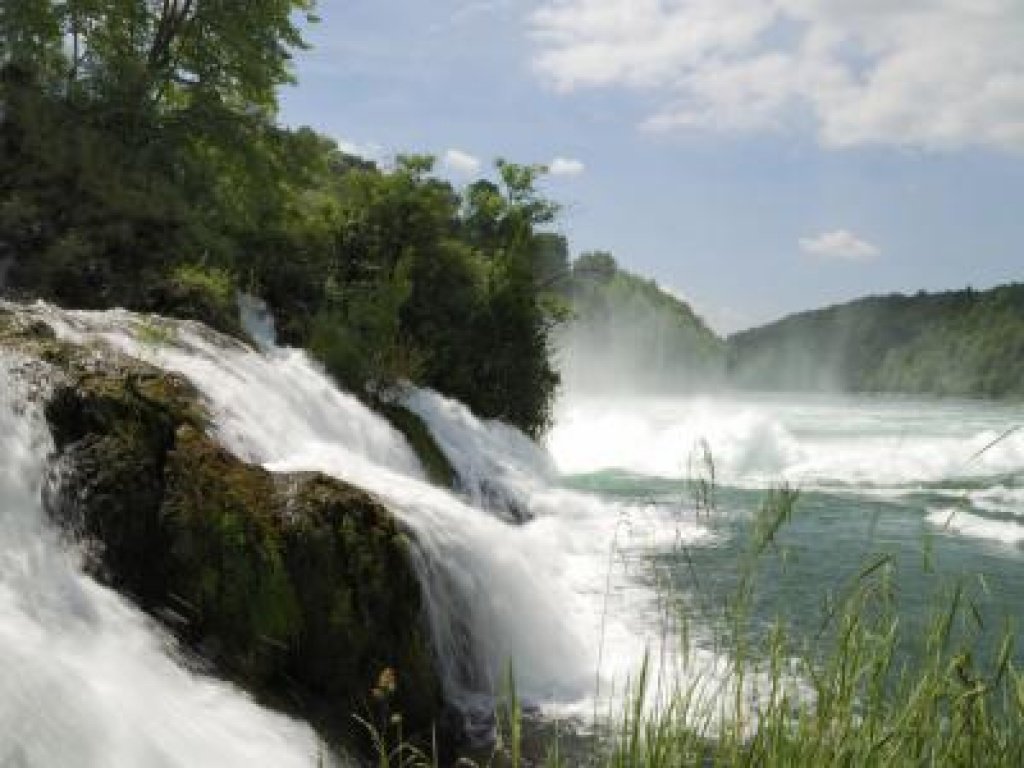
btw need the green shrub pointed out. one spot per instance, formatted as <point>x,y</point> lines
<point>216,284</point>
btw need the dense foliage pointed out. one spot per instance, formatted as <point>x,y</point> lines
<point>956,343</point>
<point>415,280</point>
<point>628,333</point>
<point>141,165</point>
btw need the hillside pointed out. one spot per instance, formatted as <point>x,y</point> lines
<point>964,342</point>
<point>627,333</point>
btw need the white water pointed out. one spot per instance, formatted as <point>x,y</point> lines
<point>968,453</point>
<point>547,596</point>
<point>85,678</point>
<point>759,440</point>
<point>977,527</point>
<point>566,596</point>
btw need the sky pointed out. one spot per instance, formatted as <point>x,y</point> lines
<point>755,157</point>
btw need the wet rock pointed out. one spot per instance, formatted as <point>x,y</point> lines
<point>437,466</point>
<point>297,586</point>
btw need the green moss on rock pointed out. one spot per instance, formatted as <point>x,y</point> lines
<point>298,586</point>
<point>437,466</point>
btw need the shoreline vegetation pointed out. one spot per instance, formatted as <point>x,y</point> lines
<point>142,165</point>
<point>867,689</point>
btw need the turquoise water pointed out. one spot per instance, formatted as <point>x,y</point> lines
<point>937,486</point>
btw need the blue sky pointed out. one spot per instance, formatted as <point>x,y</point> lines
<point>755,156</point>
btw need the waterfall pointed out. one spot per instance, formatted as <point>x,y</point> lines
<point>86,679</point>
<point>553,596</point>
<point>495,592</point>
<point>498,468</point>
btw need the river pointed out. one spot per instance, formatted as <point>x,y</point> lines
<point>567,561</point>
<point>936,486</point>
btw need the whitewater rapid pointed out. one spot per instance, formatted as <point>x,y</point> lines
<point>760,440</point>
<point>86,679</point>
<point>515,567</point>
<point>965,457</point>
<point>556,597</point>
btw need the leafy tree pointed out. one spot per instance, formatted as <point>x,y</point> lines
<point>142,166</point>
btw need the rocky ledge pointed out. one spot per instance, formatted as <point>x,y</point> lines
<point>298,587</point>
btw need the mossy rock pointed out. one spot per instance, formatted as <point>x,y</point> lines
<point>299,587</point>
<point>435,463</point>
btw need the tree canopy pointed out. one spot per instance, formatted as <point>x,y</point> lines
<point>143,166</point>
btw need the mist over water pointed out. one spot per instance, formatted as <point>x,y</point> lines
<point>628,336</point>
<point>630,359</point>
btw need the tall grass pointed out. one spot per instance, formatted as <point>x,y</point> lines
<point>862,691</point>
<point>866,689</point>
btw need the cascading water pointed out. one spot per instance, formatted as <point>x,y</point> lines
<point>567,596</point>
<point>544,596</point>
<point>85,678</point>
<point>498,467</point>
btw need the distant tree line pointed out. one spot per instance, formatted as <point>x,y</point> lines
<point>965,342</point>
<point>141,165</point>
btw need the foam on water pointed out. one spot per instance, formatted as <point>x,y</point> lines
<point>542,595</point>
<point>998,499</point>
<point>589,438</point>
<point>85,678</point>
<point>977,527</point>
<point>759,441</point>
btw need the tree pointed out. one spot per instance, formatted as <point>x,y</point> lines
<point>138,133</point>
<point>140,147</point>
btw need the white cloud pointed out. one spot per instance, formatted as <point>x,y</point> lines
<point>840,245</point>
<point>461,162</point>
<point>922,73</point>
<point>367,150</point>
<point>564,166</point>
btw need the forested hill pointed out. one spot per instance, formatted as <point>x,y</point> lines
<point>626,333</point>
<point>963,342</point>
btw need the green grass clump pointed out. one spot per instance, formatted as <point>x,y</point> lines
<point>865,690</point>
<point>216,283</point>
